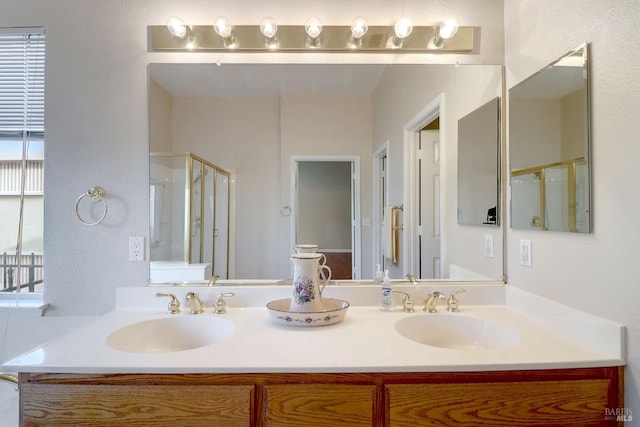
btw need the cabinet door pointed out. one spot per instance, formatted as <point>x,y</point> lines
<point>139,405</point>
<point>312,405</point>
<point>535,403</point>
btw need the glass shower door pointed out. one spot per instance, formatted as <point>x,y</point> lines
<point>221,231</point>
<point>197,185</point>
<point>208,218</point>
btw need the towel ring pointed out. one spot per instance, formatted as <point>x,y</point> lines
<point>97,195</point>
<point>8,378</point>
<point>285,210</point>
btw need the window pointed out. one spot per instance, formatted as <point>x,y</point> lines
<point>21,158</point>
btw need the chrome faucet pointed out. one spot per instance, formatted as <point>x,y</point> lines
<point>214,278</point>
<point>452,302</point>
<point>407,302</point>
<point>174,305</point>
<point>196,305</point>
<point>221,304</point>
<point>412,279</point>
<point>430,304</point>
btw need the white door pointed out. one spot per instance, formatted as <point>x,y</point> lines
<point>429,204</point>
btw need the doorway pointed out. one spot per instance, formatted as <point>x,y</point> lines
<point>326,210</point>
<point>422,201</point>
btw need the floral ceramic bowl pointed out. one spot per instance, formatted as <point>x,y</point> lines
<point>334,310</point>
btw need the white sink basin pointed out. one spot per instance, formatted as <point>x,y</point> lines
<point>170,334</point>
<point>457,332</point>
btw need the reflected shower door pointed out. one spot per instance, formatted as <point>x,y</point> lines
<point>525,202</point>
<point>195,228</point>
<point>208,215</point>
<point>221,229</point>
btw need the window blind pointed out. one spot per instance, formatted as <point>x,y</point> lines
<point>22,84</point>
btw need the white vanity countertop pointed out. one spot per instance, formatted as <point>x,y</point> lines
<point>365,341</point>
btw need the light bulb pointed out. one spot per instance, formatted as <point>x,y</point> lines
<point>190,43</point>
<point>268,27</point>
<point>223,27</point>
<point>177,27</point>
<point>313,27</point>
<point>359,27</point>
<point>403,28</point>
<point>448,28</point>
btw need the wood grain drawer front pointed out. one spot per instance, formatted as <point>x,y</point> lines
<point>136,405</point>
<point>536,403</point>
<point>324,405</point>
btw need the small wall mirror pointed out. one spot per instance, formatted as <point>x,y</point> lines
<point>478,171</point>
<point>549,147</point>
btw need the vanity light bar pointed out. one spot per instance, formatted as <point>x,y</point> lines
<point>292,38</point>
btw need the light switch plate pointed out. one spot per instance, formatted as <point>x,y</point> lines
<point>488,245</point>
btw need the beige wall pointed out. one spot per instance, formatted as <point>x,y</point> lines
<point>325,204</point>
<point>537,122</point>
<point>161,116</point>
<point>599,272</point>
<point>573,126</point>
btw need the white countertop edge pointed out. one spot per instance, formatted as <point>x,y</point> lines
<point>596,363</point>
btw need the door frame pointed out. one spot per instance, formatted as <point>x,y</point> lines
<point>356,234</point>
<point>380,186</point>
<point>411,135</point>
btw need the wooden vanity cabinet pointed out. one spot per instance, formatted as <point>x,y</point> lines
<point>498,398</point>
<point>132,400</point>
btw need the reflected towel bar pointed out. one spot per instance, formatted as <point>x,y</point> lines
<point>394,232</point>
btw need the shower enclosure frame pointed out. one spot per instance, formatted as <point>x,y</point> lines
<point>572,193</point>
<point>194,167</point>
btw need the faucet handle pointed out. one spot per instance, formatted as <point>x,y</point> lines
<point>196,304</point>
<point>407,302</point>
<point>213,280</point>
<point>174,305</point>
<point>452,302</point>
<point>221,304</point>
<point>430,304</point>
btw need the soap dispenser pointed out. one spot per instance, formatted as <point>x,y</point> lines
<point>378,276</point>
<point>386,294</point>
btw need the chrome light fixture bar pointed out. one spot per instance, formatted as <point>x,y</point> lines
<point>295,38</point>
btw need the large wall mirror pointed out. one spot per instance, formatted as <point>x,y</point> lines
<point>549,142</point>
<point>251,120</point>
<point>478,165</point>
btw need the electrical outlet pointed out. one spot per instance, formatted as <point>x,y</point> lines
<point>525,253</point>
<point>136,248</point>
<point>488,245</point>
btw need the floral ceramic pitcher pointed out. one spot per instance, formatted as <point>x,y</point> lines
<point>307,292</point>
